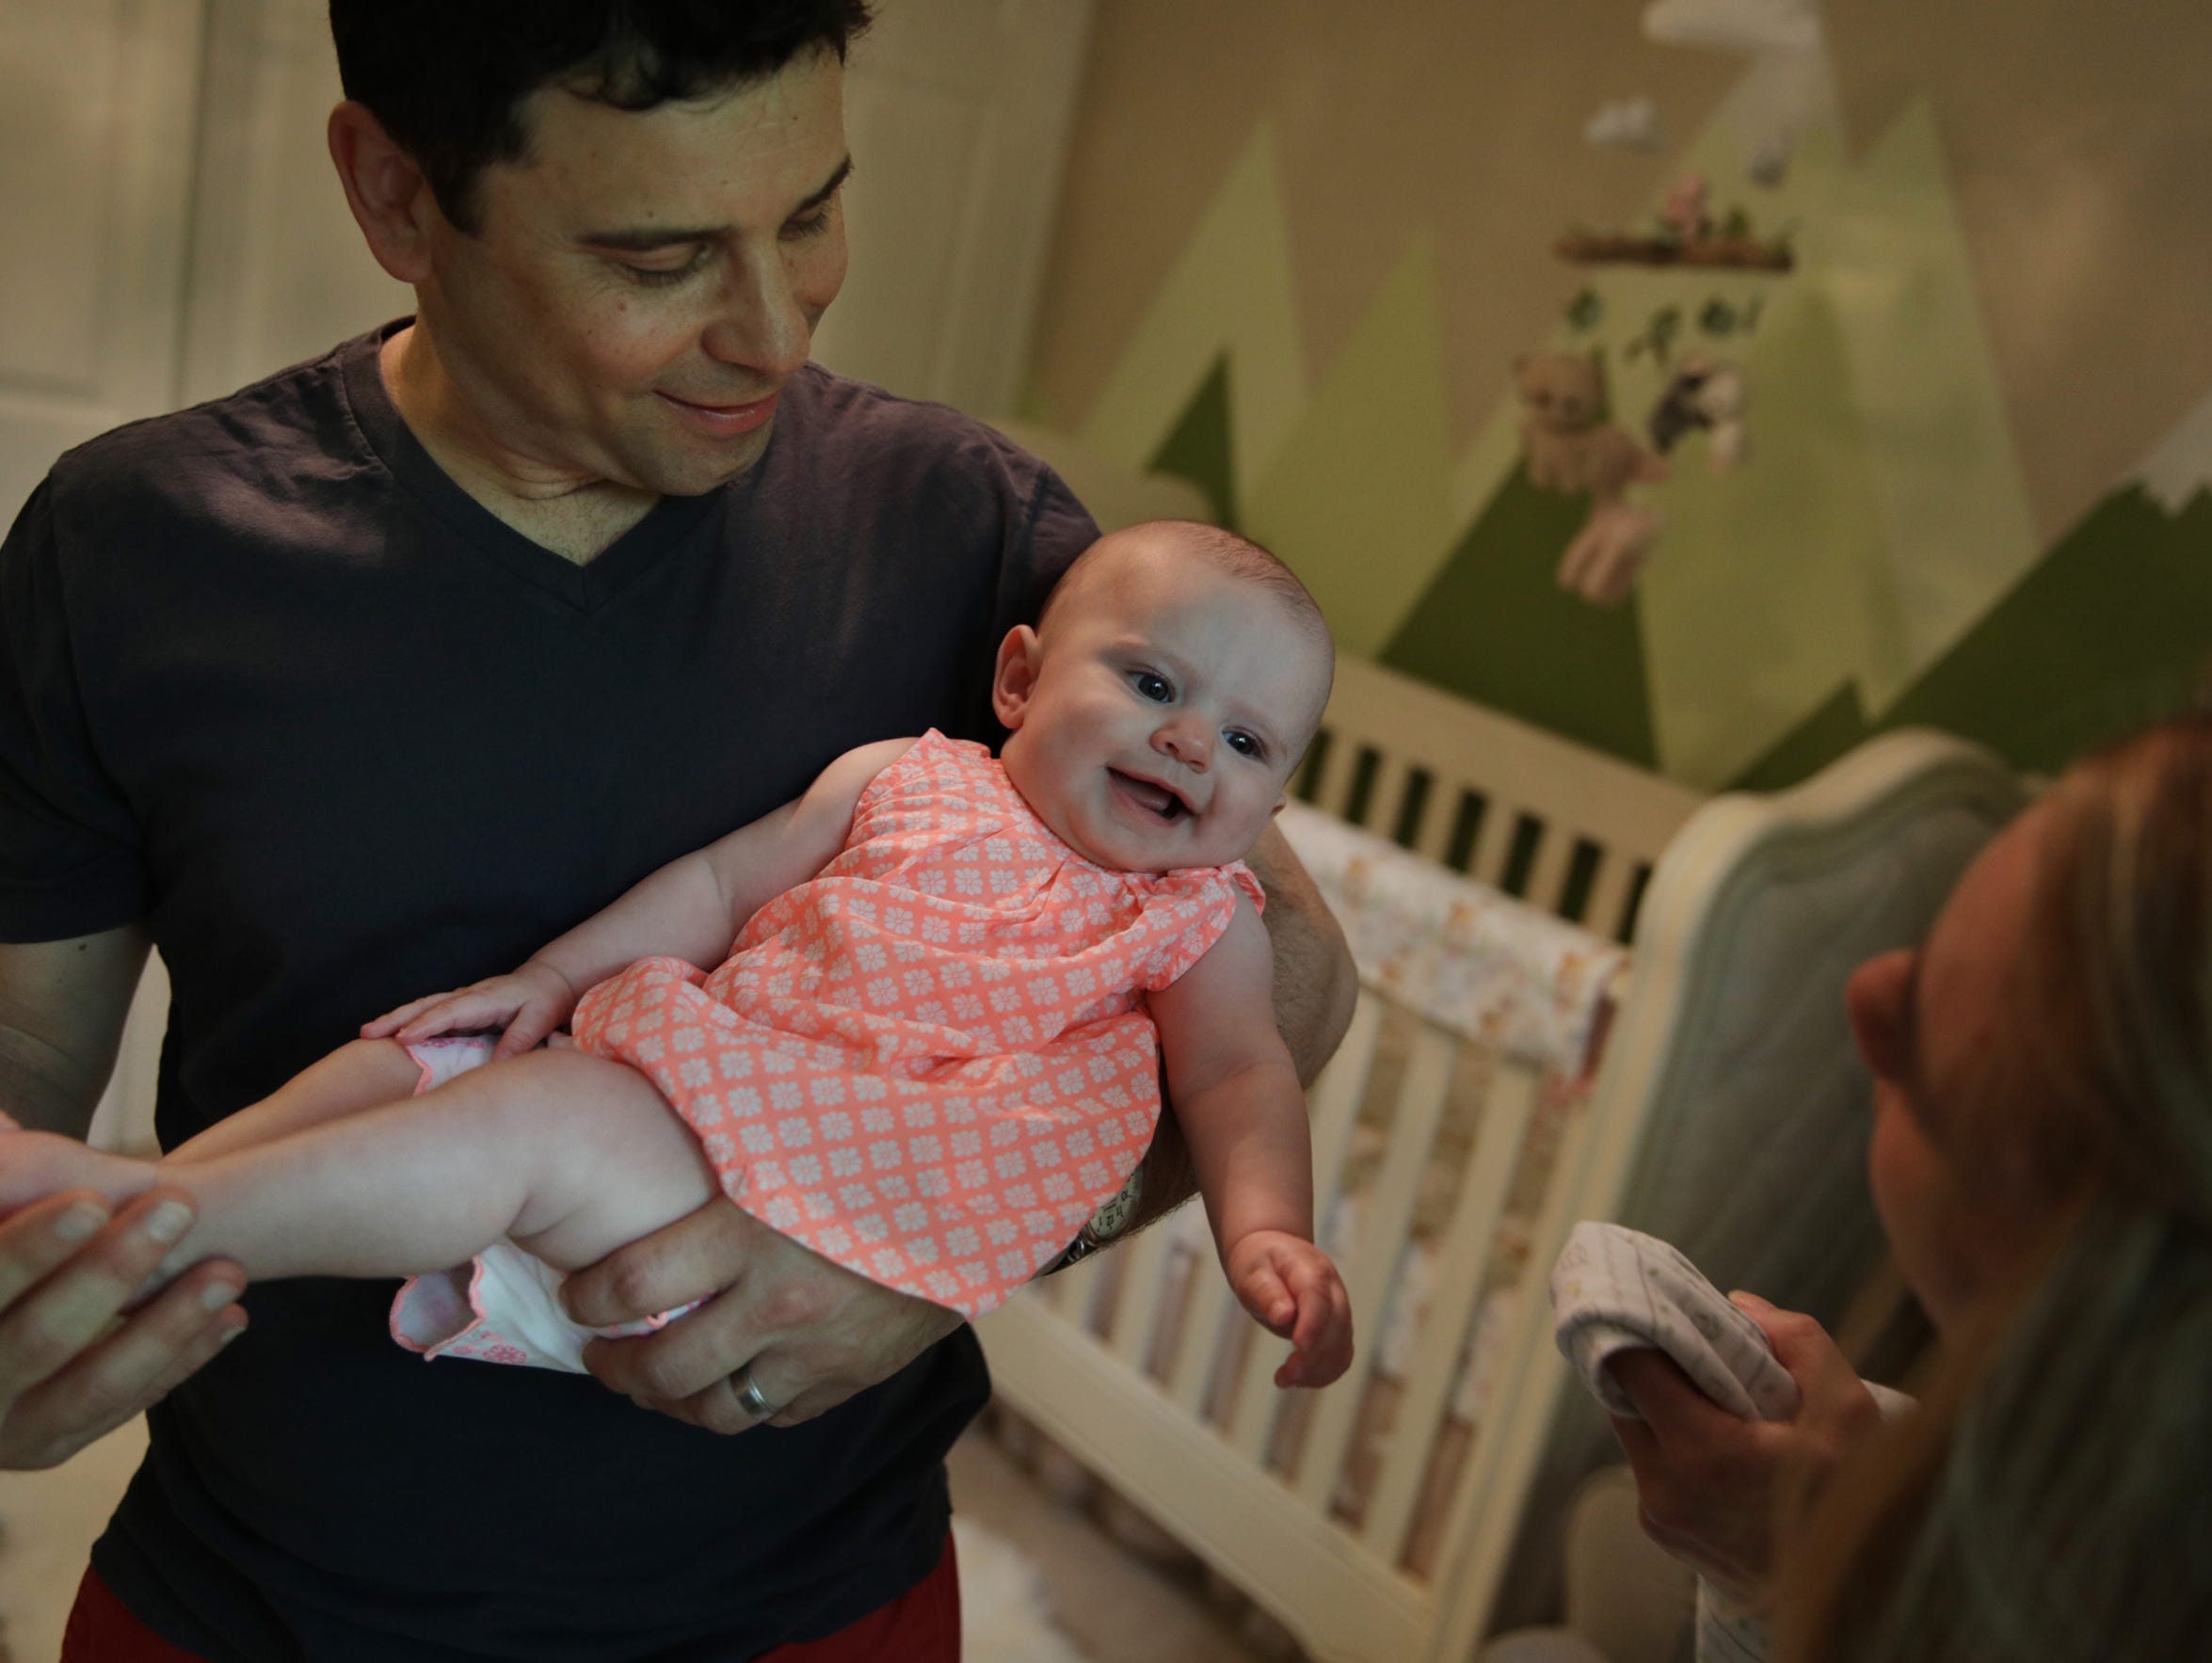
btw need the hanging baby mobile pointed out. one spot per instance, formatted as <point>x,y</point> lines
<point>1571,439</point>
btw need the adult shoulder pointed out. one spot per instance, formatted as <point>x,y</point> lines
<point>266,445</point>
<point>927,454</point>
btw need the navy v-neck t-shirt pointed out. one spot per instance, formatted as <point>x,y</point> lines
<point>271,683</point>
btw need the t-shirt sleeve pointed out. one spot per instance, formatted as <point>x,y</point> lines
<point>1052,529</point>
<point>69,840</point>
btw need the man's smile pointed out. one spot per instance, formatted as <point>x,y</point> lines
<point>722,417</point>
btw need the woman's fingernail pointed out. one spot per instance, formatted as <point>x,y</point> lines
<point>168,1221</point>
<point>215,1295</point>
<point>1748,1301</point>
<point>81,1223</point>
<point>231,1334</point>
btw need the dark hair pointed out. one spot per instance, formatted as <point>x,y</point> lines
<point>448,79</point>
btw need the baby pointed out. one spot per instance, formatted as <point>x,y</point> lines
<point>927,1056</point>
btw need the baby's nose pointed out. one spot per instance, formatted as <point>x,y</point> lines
<point>1188,742</point>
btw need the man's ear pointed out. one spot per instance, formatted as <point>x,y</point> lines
<point>390,198</point>
<point>1016,677</point>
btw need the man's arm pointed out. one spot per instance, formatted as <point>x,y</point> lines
<point>67,1372</point>
<point>1316,985</point>
<point>62,1007</point>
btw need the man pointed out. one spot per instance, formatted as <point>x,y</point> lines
<point>377,675</point>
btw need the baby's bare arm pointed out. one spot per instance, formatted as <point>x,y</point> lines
<point>691,909</point>
<point>1235,1089</point>
<point>1244,1117</point>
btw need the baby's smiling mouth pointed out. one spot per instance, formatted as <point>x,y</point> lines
<point>1148,794</point>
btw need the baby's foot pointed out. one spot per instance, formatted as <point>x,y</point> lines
<point>34,1165</point>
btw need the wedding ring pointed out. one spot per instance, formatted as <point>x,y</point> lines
<point>751,1399</point>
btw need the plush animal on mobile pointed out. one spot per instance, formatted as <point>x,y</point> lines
<point>1570,445</point>
<point>1708,394</point>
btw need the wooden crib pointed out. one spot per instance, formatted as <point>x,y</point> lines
<point>1380,1520</point>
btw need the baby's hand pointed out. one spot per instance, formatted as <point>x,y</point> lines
<point>528,1005</point>
<point>1292,1291</point>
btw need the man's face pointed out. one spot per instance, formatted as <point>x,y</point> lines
<point>642,285</point>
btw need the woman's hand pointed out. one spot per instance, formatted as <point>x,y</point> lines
<point>527,1005</point>
<point>72,1368</point>
<point>1708,1483</point>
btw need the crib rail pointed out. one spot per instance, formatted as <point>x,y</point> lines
<point>1564,828</point>
<point>1140,1362</point>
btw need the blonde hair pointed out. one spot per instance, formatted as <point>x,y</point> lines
<point>2052,1500</point>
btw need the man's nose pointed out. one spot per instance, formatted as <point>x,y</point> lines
<point>1188,740</point>
<point>759,323</point>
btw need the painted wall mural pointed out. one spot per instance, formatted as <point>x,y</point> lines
<point>1762,476</point>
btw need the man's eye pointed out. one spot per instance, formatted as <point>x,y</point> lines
<point>810,225</point>
<point>654,277</point>
<point>1155,688</point>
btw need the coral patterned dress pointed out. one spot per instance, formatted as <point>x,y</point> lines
<point>929,1062</point>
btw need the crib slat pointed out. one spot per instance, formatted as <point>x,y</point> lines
<point>1547,878</point>
<point>1493,842</point>
<point>1374,1257</point>
<point>1334,1103</point>
<point>1609,895</point>
<point>1202,1333</point>
<point>1142,1262</point>
<point>1509,1440</point>
<point>1432,837</point>
<point>1432,1373</point>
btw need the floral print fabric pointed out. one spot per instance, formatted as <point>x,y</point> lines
<point>929,1063</point>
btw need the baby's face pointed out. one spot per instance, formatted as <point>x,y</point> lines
<point>1156,723</point>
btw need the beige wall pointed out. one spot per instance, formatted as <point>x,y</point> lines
<point>2076,135</point>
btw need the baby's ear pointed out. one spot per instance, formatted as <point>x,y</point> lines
<point>1016,677</point>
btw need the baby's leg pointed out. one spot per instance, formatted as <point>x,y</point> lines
<point>361,1075</point>
<point>34,1165</point>
<point>569,1154</point>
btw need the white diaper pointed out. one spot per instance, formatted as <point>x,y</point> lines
<point>502,1306</point>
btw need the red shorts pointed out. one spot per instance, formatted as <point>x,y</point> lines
<point>922,1625</point>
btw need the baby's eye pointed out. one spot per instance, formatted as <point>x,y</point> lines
<point>1156,688</point>
<point>1243,744</point>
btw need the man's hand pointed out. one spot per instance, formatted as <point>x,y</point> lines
<point>1708,1483</point>
<point>70,1371</point>
<point>808,1332</point>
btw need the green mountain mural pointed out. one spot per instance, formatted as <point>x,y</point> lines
<point>1199,448</point>
<point>1495,627</point>
<point>2112,628</point>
